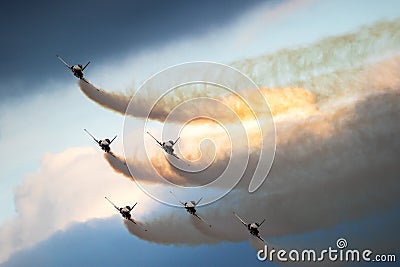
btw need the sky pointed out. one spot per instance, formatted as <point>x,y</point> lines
<point>329,70</point>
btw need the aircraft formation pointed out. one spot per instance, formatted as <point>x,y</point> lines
<point>125,212</point>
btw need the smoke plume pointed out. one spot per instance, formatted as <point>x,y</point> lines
<point>328,67</point>
<point>336,110</point>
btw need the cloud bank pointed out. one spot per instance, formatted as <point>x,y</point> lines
<point>65,190</point>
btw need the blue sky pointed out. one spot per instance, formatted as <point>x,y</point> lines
<point>47,160</point>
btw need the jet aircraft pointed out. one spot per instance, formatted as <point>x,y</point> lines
<point>77,70</point>
<point>167,146</point>
<point>252,227</point>
<point>191,208</point>
<point>126,212</point>
<point>104,144</point>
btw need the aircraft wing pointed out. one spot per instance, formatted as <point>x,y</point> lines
<point>259,237</point>
<point>201,219</point>
<point>112,154</point>
<point>155,139</point>
<point>85,66</point>
<point>97,141</point>
<point>65,63</point>
<point>243,222</point>
<point>176,156</point>
<point>86,81</point>
<point>198,201</point>
<point>113,139</point>
<point>177,198</point>
<point>132,220</point>
<point>134,206</point>
<point>173,154</point>
<point>176,140</point>
<point>112,204</point>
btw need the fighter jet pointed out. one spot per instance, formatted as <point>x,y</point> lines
<point>191,208</point>
<point>126,212</point>
<point>252,227</point>
<point>77,70</point>
<point>104,144</point>
<point>167,146</point>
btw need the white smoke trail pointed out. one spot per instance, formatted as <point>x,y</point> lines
<point>326,59</point>
<point>337,151</point>
<point>325,68</point>
<point>321,177</point>
<point>291,108</point>
<point>113,101</point>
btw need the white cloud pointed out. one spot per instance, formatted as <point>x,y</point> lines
<point>69,186</point>
<point>48,122</point>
